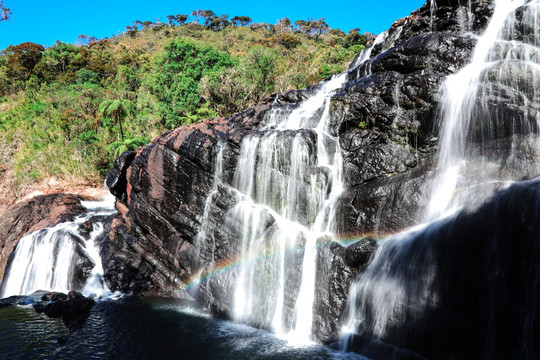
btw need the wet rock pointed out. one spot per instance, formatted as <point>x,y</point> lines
<point>31,299</point>
<point>386,205</point>
<point>116,178</point>
<point>359,254</point>
<point>485,285</point>
<point>333,278</point>
<point>73,308</point>
<point>35,214</point>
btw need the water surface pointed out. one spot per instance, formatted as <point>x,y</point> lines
<point>142,328</point>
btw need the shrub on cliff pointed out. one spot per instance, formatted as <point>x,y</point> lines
<point>177,73</point>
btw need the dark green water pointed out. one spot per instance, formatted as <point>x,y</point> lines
<point>137,328</point>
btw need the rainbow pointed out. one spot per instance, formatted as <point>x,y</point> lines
<point>232,263</point>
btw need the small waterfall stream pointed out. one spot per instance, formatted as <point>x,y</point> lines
<point>52,259</point>
<point>472,120</point>
<point>293,176</point>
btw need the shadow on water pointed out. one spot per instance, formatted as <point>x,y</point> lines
<point>135,328</point>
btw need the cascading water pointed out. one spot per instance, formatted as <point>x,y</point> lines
<point>48,259</point>
<point>286,182</point>
<point>504,64</point>
<point>296,188</point>
<point>488,138</point>
<point>465,19</point>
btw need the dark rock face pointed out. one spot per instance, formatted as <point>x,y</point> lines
<point>337,267</point>
<point>386,115</point>
<point>116,179</point>
<point>151,244</point>
<point>386,205</point>
<point>32,215</point>
<point>486,285</point>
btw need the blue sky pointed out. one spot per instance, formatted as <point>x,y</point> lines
<point>44,22</point>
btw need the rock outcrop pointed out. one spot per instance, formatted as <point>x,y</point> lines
<point>73,307</point>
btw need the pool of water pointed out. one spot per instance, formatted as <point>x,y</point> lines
<point>145,328</point>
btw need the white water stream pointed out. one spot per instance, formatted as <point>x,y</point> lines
<point>466,103</point>
<point>46,259</point>
<point>293,178</point>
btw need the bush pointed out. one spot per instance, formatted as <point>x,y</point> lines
<point>288,41</point>
<point>177,73</point>
<point>85,76</point>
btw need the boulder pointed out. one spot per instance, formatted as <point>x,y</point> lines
<point>73,308</point>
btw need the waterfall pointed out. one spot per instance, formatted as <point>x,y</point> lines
<point>55,259</point>
<point>473,120</point>
<point>488,139</point>
<point>286,181</point>
<point>291,174</point>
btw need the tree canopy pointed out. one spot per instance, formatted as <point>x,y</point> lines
<point>5,13</point>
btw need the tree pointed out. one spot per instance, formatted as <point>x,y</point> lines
<point>131,31</point>
<point>318,28</point>
<point>5,13</point>
<point>312,28</point>
<point>181,19</point>
<point>206,15</point>
<point>241,20</point>
<point>118,110</point>
<point>83,40</point>
<point>219,23</point>
<point>175,20</point>
<point>24,59</point>
<point>147,24</point>
<point>355,38</point>
<point>178,72</point>
<point>56,60</point>
<point>284,25</point>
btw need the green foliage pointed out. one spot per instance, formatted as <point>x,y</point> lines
<point>68,110</point>
<point>177,73</point>
<point>117,110</point>
<point>85,76</point>
<point>289,41</point>
<point>129,143</point>
<point>330,69</point>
